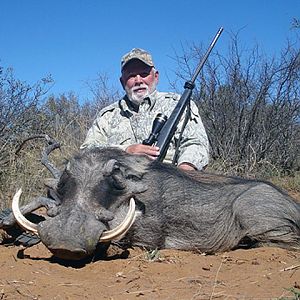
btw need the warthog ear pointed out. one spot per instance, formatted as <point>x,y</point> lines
<point>134,173</point>
<point>112,170</point>
<point>110,167</point>
<point>125,176</point>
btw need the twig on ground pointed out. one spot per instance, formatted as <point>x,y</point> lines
<point>290,268</point>
<point>216,277</point>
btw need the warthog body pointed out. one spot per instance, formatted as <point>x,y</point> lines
<point>196,211</point>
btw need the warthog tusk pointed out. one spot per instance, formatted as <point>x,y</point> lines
<point>21,220</point>
<point>109,235</point>
<point>122,228</point>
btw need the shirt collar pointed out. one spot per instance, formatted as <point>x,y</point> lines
<point>126,105</point>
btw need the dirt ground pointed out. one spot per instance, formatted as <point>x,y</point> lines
<point>261,273</point>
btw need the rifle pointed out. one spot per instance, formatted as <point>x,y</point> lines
<point>164,128</point>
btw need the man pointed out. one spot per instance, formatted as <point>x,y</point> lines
<point>126,123</point>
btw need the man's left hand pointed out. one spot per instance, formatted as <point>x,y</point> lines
<point>187,167</point>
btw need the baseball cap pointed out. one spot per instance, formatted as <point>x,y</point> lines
<point>137,53</point>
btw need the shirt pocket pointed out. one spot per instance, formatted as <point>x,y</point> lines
<point>121,135</point>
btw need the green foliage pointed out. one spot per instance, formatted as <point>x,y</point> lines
<point>289,183</point>
<point>153,255</point>
<point>295,294</point>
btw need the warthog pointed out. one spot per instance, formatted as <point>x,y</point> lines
<point>107,194</point>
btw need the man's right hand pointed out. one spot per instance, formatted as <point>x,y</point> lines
<point>140,149</point>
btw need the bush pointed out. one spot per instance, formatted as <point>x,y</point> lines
<point>250,106</point>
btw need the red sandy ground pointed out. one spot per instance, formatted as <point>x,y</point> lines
<point>262,273</point>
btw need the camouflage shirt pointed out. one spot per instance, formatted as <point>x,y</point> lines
<point>120,125</point>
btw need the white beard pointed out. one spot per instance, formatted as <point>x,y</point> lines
<point>138,98</point>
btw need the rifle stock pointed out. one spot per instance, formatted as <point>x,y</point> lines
<point>169,128</point>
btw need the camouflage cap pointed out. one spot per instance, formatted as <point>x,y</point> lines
<point>137,53</point>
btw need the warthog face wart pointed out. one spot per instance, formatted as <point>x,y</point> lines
<point>171,209</point>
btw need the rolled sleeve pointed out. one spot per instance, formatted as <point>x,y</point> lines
<point>194,153</point>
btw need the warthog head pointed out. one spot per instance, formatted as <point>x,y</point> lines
<point>96,203</point>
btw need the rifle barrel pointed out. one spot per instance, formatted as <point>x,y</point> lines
<point>200,66</point>
<point>168,130</point>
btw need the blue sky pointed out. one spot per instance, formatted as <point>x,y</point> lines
<point>75,40</point>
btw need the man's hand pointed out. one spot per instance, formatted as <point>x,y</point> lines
<point>151,151</point>
<point>187,167</point>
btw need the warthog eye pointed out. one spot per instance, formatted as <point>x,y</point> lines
<point>133,177</point>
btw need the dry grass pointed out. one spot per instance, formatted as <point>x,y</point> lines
<point>26,170</point>
<point>264,171</point>
<point>289,183</point>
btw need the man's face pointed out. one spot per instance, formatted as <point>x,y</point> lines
<point>138,80</point>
